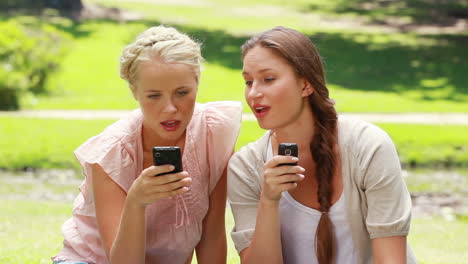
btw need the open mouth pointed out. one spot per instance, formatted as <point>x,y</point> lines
<point>170,125</point>
<point>260,110</point>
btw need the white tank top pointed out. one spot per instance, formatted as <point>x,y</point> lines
<point>298,228</point>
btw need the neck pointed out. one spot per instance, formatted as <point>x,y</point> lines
<point>300,131</point>
<point>150,139</point>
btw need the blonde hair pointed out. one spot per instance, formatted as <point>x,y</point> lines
<point>163,43</point>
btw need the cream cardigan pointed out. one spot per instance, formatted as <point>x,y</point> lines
<point>377,200</point>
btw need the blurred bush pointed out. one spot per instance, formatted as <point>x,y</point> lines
<point>29,51</point>
<point>68,5</point>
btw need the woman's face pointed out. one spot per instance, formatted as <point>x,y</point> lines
<point>166,93</point>
<point>273,91</point>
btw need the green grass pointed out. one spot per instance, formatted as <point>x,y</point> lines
<point>302,14</point>
<point>37,143</point>
<point>49,143</point>
<point>430,144</point>
<point>30,233</point>
<point>417,145</point>
<point>437,241</point>
<point>367,71</point>
<point>30,230</point>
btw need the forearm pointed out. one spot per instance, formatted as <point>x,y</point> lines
<point>212,248</point>
<point>389,250</point>
<point>266,241</point>
<point>130,243</point>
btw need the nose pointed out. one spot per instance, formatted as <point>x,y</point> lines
<point>169,107</point>
<point>254,91</point>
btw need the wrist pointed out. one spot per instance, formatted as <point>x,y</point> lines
<point>133,205</point>
<point>269,202</point>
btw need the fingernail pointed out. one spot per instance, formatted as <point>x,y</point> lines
<point>295,159</point>
<point>301,175</point>
<point>302,169</point>
<point>171,167</point>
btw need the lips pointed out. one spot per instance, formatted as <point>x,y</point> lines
<point>260,110</point>
<point>170,125</point>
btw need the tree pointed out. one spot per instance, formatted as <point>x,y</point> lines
<point>67,6</point>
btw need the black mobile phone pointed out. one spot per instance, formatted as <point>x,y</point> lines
<point>168,155</point>
<point>288,149</point>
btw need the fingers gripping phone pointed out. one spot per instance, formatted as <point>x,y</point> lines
<point>168,155</point>
<point>288,149</point>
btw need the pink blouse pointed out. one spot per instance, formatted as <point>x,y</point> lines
<point>176,228</point>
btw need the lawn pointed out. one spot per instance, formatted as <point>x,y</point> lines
<point>367,70</point>
<point>49,143</point>
<point>31,234</point>
<point>370,68</point>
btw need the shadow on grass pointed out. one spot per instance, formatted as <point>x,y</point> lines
<point>434,72</point>
<point>355,61</point>
<point>434,12</point>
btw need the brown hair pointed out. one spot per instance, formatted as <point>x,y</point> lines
<point>302,55</point>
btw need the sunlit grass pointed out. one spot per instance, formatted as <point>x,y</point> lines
<point>31,234</point>
<point>49,143</point>
<point>366,71</point>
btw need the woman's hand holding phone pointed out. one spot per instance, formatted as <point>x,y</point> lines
<point>151,186</point>
<point>279,177</point>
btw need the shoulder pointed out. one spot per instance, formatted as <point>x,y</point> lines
<point>218,122</point>
<point>115,135</point>
<point>251,155</point>
<point>360,136</point>
<point>218,113</point>
<point>369,149</point>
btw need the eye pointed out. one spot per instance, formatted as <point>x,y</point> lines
<point>182,92</point>
<point>248,83</point>
<point>154,96</point>
<point>269,79</point>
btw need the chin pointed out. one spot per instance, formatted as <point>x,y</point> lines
<point>265,125</point>
<point>272,124</point>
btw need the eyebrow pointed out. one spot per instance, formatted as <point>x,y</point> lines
<point>178,88</point>
<point>262,70</point>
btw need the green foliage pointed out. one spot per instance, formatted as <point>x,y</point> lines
<point>367,71</point>
<point>29,52</point>
<point>34,5</point>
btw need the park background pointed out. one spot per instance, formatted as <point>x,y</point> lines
<point>384,57</point>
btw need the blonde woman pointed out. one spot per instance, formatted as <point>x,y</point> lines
<point>126,214</point>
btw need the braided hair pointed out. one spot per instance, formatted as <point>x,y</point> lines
<point>302,55</point>
<point>159,43</point>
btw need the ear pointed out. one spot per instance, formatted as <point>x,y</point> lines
<point>307,89</point>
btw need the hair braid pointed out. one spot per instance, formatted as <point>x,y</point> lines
<point>166,42</point>
<point>325,159</point>
<point>303,56</point>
